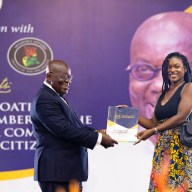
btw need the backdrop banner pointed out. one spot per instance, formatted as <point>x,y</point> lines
<point>94,38</point>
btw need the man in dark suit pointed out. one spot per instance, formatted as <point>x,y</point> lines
<point>62,140</point>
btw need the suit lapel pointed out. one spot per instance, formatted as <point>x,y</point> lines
<point>71,109</point>
<point>65,103</point>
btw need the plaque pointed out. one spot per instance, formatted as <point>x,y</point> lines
<point>122,123</point>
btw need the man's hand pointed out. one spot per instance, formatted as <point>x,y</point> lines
<point>107,141</point>
<point>143,135</point>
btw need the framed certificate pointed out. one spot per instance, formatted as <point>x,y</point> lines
<point>122,123</point>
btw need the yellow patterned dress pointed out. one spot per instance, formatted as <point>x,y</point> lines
<point>172,161</point>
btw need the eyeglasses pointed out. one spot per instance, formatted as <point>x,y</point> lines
<point>143,71</point>
<point>64,76</point>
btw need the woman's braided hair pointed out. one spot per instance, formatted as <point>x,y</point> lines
<point>165,75</point>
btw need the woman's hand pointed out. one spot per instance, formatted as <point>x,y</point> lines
<point>143,135</point>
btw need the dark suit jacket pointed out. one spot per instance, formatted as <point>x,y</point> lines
<point>62,140</point>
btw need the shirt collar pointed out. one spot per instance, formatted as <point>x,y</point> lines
<point>48,85</point>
